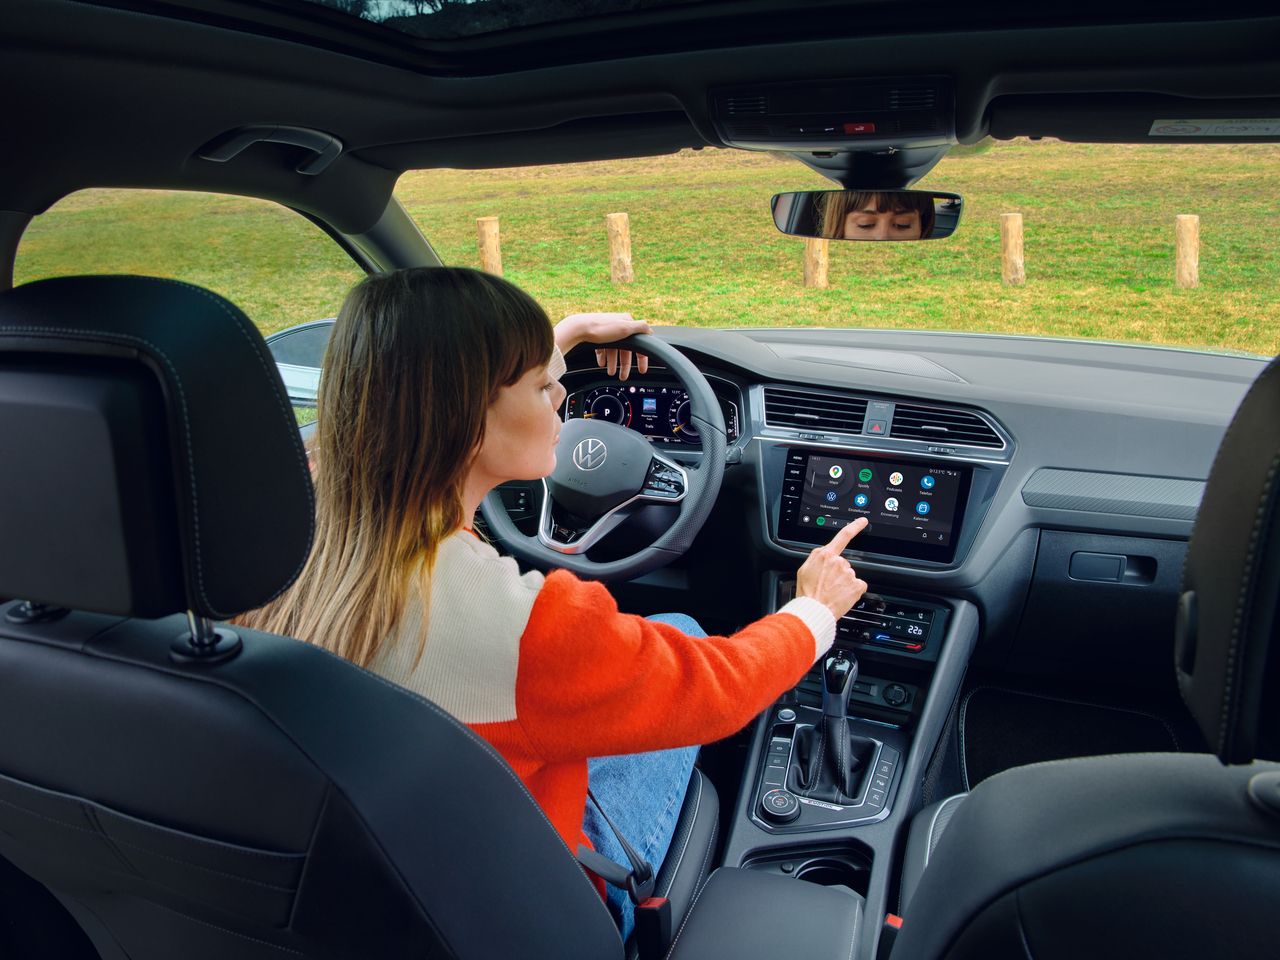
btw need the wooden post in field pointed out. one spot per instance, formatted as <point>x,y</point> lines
<point>1013,270</point>
<point>618,226</point>
<point>490,245</point>
<point>816,261</point>
<point>1186,233</point>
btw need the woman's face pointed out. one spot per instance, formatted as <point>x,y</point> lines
<point>521,430</point>
<point>868,224</point>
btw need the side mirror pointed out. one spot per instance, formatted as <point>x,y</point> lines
<point>868,214</point>
<point>298,352</point>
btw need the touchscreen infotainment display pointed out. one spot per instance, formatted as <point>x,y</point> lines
<point>914,508</point>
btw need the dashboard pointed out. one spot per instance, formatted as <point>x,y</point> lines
<point>972,444</point>
<point>1052,483</point>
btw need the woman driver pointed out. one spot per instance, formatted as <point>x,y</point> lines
<point>439,384</point>
<point>877,215</point>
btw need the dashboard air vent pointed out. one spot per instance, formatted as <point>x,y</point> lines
<point>912,98</point>
<point>814,411</point>
<point>745,106</point>
<point>942,426</point>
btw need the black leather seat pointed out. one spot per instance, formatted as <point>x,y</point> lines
<point>1161,855</point>
<point>247,795</point>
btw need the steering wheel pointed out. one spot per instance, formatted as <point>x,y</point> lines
<point>605,472</point>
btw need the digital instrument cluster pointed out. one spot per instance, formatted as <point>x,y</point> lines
<point>657,410</point>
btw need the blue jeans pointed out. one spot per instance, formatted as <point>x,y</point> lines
<point>643,794</point>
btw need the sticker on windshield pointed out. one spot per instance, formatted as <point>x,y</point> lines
<point>1216,128</point>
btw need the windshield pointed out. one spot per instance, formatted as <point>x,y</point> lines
<point>1099,242</point>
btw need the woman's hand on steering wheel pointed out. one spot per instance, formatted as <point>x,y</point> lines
<point>604,328</point>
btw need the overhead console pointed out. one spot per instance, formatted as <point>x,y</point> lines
<point>844,114</point>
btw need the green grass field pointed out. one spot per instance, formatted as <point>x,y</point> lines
<point>1098,222</point>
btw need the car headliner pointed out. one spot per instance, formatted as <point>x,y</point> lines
<point>127,93</point>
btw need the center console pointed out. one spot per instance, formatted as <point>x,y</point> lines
<point>837,765</point>
<point>891,645</point>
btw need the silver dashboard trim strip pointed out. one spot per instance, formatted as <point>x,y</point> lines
<point>608,521</point>
<point>796,441</point>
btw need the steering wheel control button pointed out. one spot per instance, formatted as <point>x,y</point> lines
<point>663,482</point>
<point>779,806</point>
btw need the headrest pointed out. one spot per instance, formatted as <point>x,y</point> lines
<point>152,461</point>
<point>1228,670</point>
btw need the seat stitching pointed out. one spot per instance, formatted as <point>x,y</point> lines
<point>964,710</point>
<point>1230,703</point>
<point>147,850</point>
<point>853,940</point>
<point>700,887</point>
<point>688,835</point>
<point>1231,428</point>
<point>151,882</point>
<point>232,849</point>
<point>1022,930</point>
<point>239,319</point>
<point>685,922</point>
<point>242,936</point>
<point>706,858</point>
<point>928,850</point>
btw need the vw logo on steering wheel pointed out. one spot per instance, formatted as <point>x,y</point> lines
<point>589,454</point>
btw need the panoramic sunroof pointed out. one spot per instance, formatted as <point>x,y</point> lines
<point>447,19</point>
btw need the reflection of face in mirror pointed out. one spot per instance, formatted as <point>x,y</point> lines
<point>871,224</point>
<point>870,215</point>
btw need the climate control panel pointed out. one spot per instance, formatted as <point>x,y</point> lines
<point>886,622</point>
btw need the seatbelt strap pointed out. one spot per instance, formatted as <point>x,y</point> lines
<point>639,881</point>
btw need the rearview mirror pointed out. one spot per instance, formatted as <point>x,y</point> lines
<point>868,214</point>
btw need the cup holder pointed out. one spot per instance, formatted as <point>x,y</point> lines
<point>848,867</point>
<point>830,873</point>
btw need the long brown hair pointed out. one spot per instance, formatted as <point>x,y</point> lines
<point>414,361</point>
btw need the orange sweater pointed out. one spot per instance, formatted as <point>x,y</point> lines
<point>551,673</point>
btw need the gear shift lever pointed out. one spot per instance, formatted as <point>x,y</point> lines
<point>838,675</point>
<point>830,762</point>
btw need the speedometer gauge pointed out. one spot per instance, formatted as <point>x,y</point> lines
<point>607,403</point>
<point>679,420</point>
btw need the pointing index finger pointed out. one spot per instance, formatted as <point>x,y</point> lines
<point>847,533</point>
